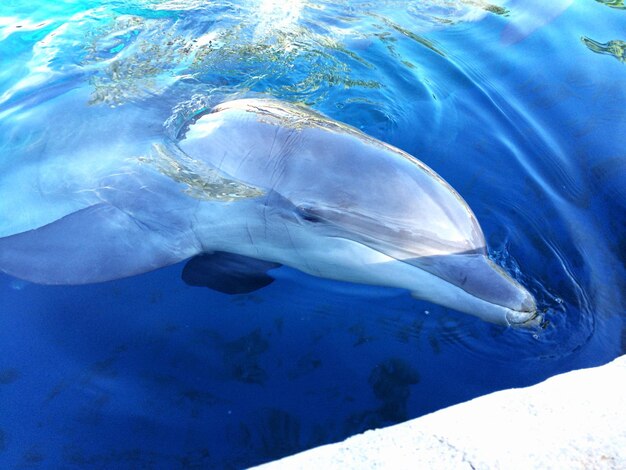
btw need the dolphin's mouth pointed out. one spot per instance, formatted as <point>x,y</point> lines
<point>524,319</point>
<point>480,277</point>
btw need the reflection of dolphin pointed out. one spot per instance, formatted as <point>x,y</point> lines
<point>531,15</point>
<point>264,180</point>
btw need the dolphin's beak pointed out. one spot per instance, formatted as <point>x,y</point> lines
<point>484,281</point>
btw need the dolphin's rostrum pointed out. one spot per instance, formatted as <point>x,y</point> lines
<point>266,180</point>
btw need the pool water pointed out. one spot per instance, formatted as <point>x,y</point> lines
<point>519,106</point>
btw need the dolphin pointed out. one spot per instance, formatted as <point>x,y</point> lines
<point>253,184</point>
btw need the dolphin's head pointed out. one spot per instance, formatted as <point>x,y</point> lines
<point>395,207</point>
<point>464,278</point>
<point>342,205</point>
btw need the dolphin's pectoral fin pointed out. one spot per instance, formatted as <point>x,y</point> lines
<point>228,273</point>
<point>96,244</point>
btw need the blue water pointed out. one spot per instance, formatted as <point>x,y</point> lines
<point>147,372</point>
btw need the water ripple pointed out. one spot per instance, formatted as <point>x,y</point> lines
<point>616,47</point>
<point>618,4</point>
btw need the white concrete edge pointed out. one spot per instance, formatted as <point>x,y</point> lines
<point>576,420</point>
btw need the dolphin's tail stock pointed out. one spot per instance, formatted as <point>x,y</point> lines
<point>95,244</point>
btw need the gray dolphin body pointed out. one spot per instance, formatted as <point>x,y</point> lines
<point>271,181</point>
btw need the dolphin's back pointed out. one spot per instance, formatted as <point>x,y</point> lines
<point>338,173</point>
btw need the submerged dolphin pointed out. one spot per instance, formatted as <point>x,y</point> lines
<point>257,183</point>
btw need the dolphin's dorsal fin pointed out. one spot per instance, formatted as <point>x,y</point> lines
<point>96,244</point>
<point>228,273</point>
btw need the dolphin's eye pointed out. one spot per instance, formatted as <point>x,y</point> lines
<point>308,214</point>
